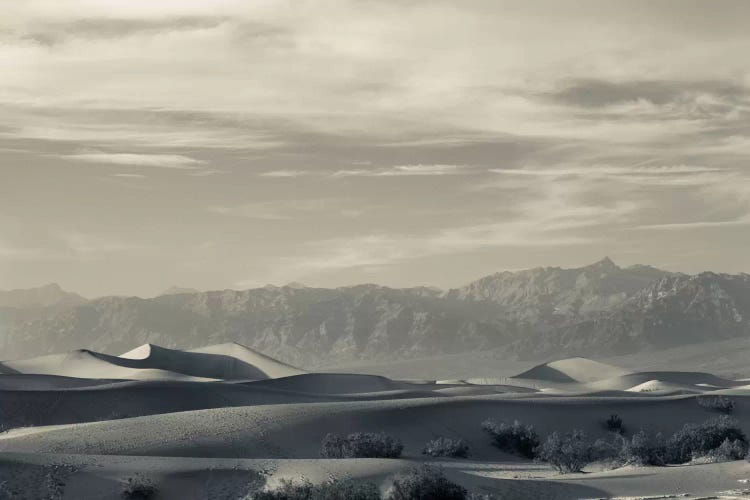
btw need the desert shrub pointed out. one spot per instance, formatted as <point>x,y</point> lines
<point>643,449</point>
<point>566,452</point>
<point>609,450</point>
<point>614,424</point>
<point>727,451</point>
<point>447,447</point>
<point>514,438</point>
<point>425,483</point>
<point>700,439</point>
<point>332,490</point>
<point>140,488</point>
<point>716,403</point>
<point>361,445</point>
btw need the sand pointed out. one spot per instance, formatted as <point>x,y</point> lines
<point>197,424</point>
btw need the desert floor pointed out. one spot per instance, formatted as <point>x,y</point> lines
<point>224,421</point>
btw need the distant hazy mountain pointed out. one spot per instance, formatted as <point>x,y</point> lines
<point>538,313</point>
<point>43,296</point>
<point>673,311</point>
<point>300,325</point>
<point>551,295</point>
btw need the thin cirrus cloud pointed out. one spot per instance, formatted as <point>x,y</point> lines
<point>179,162</point>
<point>284,173</point>
<point>403,171</point>
<point>394,171</point>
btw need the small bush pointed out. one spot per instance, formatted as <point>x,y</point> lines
<point>700,439</point>
<point>332,490</point>
<point>425,483</point>
<point>447,447</point>
<point>361,445</point>
<point>643,449</point>
<point>727,451</point>
<point>139,488</point>
<point>566,452</point>
<point>614,424</point>
<point>513,438</point>
<point>603,450</point>
<point>716,403</point>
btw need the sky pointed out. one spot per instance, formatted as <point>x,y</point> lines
<point>231,144</point>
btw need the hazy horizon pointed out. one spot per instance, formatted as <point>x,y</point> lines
<point>231,145</point>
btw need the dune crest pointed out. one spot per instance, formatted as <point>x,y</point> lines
<point>152,362</point>
<point>572,370</point>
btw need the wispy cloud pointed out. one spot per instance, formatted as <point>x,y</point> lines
<point>279,210</point>
<point>285,173</point>
<point>686,226</point>
<point>179,162</point>
<point>404,170</point>
<point>130,176</point>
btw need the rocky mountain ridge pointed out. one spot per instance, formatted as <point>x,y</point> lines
<point>601,309</point>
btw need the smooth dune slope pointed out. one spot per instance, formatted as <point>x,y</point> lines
<point>83,363</point>
<point>295,430</point>
<point>270,367</point>
<point>36,400</point>
<point>572,370</point>
<point>151,362</point>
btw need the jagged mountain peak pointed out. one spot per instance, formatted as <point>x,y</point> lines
<point>605,264</point>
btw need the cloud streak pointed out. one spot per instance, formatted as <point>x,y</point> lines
<point>178,162</point>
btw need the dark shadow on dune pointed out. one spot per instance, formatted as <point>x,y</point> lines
<point>336,383</point>
<point>544,372</point>
<point>6,370</point>
<point>188,363</point>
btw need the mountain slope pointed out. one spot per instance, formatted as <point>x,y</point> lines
<point>596,310</point>
<point>552,295</point>
<point>44,296</point>
<point>674,311</point>
<point>300,325</point>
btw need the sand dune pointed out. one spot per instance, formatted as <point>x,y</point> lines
<point>690,381</point>
<point>272,368</point>
<point>572,370</point>
<point>83,363</point>
<point>337,383</point>
<point>295,430</point>
<point>151,362</point>
<point>186,416</point>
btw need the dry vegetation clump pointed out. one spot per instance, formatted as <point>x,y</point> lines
<point>425,483</point>
<point>139,488</point>
<point>422,483</point>
<point>332,490</point>
<point>643,449</point>
<point>569,452</point>
<point>718,403</point>
<point>726,452</point>
<point>696,440</point>
<point>514,438</point>
<point>614,424</point>
<point>447,447</point>
<point>361,445</point>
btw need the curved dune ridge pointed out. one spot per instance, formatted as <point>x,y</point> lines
<point>572,370</point>
<point>158,405</point>
<point>151,362</point>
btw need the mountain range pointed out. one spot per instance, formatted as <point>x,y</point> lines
<point>597,310</point>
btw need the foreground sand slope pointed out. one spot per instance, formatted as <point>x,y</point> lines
<point>101,477</point>
<point>295,430</point>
